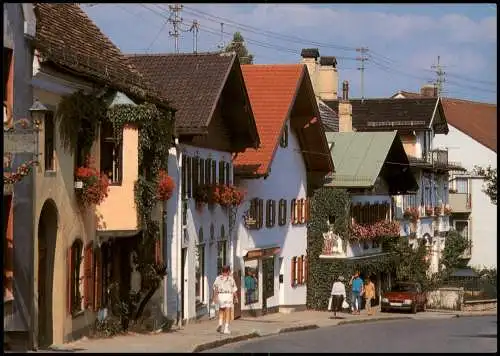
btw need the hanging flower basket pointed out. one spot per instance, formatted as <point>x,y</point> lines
<point>429,211</point>
<point>374,231</point>
<point>166,186</point>
<point>412,214</point>
<point>94,185</point>
<point>228,195</point>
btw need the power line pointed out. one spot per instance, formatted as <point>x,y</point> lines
<point>363,58</point>
<point>175,20</point>
<point>194,28</point>
<point>156,37</point>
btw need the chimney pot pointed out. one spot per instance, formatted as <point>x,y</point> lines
<point>345,90</point>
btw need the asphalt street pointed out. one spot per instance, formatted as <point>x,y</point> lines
<point>457,335</point>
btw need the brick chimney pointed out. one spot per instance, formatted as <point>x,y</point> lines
<point>345,109</point>
<point>429,90</point>
<point>327,78</point>
<point>310,59</point>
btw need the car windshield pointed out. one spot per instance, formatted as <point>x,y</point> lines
<point>400,287</point>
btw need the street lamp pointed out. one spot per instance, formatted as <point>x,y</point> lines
<point>37,113</point>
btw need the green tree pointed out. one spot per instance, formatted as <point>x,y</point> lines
<point>455,246</point>
<point>237,45</point>
<point>490,181</point>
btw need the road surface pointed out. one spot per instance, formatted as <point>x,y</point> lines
<point>464,334</point>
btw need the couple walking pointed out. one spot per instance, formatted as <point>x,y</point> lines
<point>358,290</point>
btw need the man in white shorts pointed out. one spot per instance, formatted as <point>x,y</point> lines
<point>225,295</point>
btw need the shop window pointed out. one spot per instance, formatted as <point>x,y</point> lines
<point>75,261</point>
<point>49,147</point>
<point>282,212</point>
<point>270,213</point>
<point>111,153</point>
<point>251,282</point>
<point>284,137</point>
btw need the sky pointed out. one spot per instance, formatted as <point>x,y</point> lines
<point>403,40</point>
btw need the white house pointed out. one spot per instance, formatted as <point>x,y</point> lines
<point>278,178</point>
<point>214,121</point>
<point>471,140</point>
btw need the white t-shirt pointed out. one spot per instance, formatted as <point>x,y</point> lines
<point>338,288</point>
<point>225,284</point>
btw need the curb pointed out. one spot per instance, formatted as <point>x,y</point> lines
<point>359,321</point>
<point>222,342</point>
<point>298,328</point>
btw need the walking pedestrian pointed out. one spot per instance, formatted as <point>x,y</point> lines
<point>369,295</point>
<point>357,291</point>
<point>338,295</point>
<point>224,294</point>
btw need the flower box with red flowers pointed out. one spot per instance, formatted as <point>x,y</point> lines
<point>412,214</point>
<point>429,210</point>
<point>94,185</point>
<point>228,195</point>
<point>165,187</point>
<point>374,231</point>
<point>447,210</point>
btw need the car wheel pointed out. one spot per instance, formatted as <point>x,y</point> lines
<point>414,309</point>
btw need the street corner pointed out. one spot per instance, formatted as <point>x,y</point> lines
<point>224,341</point>
<point>298,328</point>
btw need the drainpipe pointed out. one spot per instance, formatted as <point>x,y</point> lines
<point>178,236</point>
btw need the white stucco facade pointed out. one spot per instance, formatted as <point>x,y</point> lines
<point>185,298</point>
<point>287,180</point>
<point>483,218</point>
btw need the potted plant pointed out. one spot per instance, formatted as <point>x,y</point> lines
<point>412,214</point>
<point>229,195</point>
<point>165,187</point>
<point>92,186</point>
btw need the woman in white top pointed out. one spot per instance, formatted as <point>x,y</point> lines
<point>224,294</point>
<point>338,295</point>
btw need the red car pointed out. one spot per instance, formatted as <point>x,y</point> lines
<point>407,296</point>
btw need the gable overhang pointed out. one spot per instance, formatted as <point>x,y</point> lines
<point>396,170</point>
<point>438,121</point>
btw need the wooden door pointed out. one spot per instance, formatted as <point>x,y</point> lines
<point>237,306</point>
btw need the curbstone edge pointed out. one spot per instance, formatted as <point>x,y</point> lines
<point>222,342</point>
<point>359,321</point>
<point>298,328</point>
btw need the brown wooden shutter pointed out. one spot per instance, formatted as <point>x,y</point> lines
<point>261,213</point>
<point>285,216</point>
<point>184,176</point>
<point>299,211</point>
<point>202,171</point>
<point>227,173</point>
<point>268,213</point>
<point>87,276</point>
<point>274,212</point>
<point>299,267</point>
<point>214,172</point>
<point>222,176</point>
<point>293,211</point>
<point>293,271</point>
<point>305,269</point>
<point>69,298</point>
<point>308,210</point>
<point>196,176</point>
<point>97,279</point>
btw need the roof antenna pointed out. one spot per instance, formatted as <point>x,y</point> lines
<point>221,44</point>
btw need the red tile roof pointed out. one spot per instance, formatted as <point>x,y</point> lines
<point>272,90</point>
<point>477,120</point>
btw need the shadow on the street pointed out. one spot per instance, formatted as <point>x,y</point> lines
<point>488,336</point>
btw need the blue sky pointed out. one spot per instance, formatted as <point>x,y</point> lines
<point>404,40</point>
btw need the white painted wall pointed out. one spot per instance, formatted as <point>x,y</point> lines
<point>468,152</point>
<point>175,235</point>
<point>287,180</point>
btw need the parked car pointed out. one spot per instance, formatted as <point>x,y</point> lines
<point>406,296</point>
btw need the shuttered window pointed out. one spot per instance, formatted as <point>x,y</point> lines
<point>227,173</point>
<point>270,213</point>
<point>298,270</point>
<point>293,271</point>
<point>196,176</point>
<point>222,173</point>
<point>282,212</point>
<point>214,172</point>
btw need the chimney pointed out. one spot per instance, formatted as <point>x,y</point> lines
<point>345,109</point>
<point>327,78</point>
<point>310,59</point>
<point>429,91</point>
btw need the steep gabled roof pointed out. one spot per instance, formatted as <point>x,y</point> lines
<point>396,114</point>
<point>68,38</point>
<point>477,120</point>
<point>273,91</point>
<point>194,82</point>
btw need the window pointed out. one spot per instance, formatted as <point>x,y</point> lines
<point>462,228</point>
<point>111,153</point>
<point>257,212</point>
<point>189,173</point>
<point>184,176</point>
<point>222,172</point>
<point>462,185</point>
<point>221,255</point>
<point>75,261</point>
<point>293,211</point>
<point>284,137</point>
<point>208,171</point>
<point>270,213</point>
<point>49,147</point>
<point>196,177</point>
<point>200,270</point>
<point>282,212</point>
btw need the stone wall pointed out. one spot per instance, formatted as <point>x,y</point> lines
<point>449,298</point>
<point>480,305</point>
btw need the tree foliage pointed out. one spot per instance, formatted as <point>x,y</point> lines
<point>452,255</point>
<point>237,45</point>
<point>490,181</point>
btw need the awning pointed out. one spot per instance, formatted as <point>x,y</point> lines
<point>261,252</point>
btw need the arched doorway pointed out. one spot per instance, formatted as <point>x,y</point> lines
<point>47,235</point>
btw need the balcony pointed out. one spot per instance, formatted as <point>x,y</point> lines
<point>436,159</point>
<point>460,202</point>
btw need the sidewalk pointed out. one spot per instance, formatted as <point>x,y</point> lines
<point>199,336</point>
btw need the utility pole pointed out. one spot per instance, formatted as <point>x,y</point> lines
<point>221,44</point>
<point>194,28</point>
<point>175,19</point>
<point>440,76</point>
<point>363,58</point>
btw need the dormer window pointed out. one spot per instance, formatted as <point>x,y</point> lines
<point>284,137</point>
<point>111,153</point>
